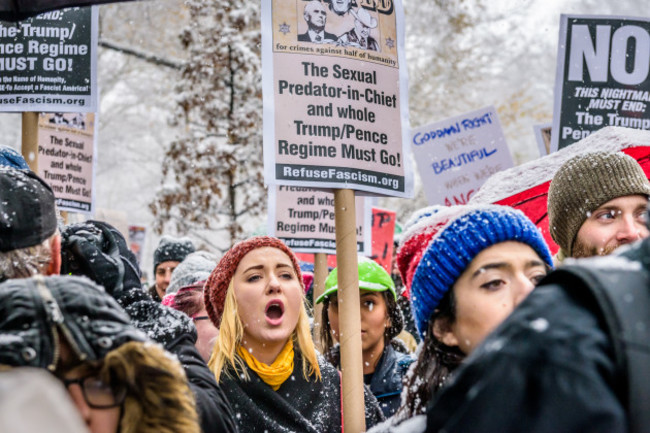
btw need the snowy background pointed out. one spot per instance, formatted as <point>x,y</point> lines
<point>462,55</point>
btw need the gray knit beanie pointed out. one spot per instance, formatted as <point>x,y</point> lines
<point>194,268</point>
<point>583,184</point>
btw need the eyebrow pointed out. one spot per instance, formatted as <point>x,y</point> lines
<point>502,265</point>
<point>258,267</point>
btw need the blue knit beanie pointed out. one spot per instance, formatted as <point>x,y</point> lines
<point>455,245</point>
<point>11,158</point>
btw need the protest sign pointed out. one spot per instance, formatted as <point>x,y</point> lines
<point>336,102</point>
<point>137,236</point>
<point>455,156</point>
<point>304,219</point>
<point>543,138</point>
<point>48,62</point>
<point>602,76</point>
<point>383,230</point>
<point>66,158</point>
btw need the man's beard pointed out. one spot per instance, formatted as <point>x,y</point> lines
<point>582,249</point>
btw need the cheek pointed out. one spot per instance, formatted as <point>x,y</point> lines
<point>333,317</point>
<point>105,420</point>
<point>247,304</point>
<point>478,317</point>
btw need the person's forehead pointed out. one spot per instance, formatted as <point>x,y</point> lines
<point>314,7</point>
<point>634,200</point>
<point>170,264</point>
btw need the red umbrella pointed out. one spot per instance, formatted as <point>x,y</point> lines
<point>525,187</point>
<point>16,10</point>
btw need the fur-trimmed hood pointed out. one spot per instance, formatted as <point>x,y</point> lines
<point>158,398</point>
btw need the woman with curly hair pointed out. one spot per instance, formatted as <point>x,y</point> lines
<point>385,358</point>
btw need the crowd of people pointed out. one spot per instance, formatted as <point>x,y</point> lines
<point>511,337</point>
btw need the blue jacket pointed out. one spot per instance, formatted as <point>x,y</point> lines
<point>386,382</point>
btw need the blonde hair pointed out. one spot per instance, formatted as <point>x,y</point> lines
<point>27,262</point>
<point>231,334</point>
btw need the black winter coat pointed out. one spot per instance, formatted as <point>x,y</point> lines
<point>297,406</point>
<point>548,368</point>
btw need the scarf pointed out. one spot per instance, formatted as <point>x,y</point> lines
<point>275,374</point>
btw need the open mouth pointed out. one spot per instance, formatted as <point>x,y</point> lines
<point>274,312</point>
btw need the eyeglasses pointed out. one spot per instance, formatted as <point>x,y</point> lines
<point>97,394</point>
<point>197,318</point>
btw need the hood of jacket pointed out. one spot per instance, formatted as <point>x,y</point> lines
<point>35,313</point>
<point>158,396</point>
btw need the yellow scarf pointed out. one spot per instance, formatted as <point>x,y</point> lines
<point>275,374</point>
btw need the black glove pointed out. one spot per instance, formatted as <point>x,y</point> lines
<point>99,251</point>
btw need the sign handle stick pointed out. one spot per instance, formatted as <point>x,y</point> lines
<point>349,311</point>
<point>30,140</point>
<point>320,275</point>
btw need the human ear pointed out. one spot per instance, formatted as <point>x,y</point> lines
<point>444,333</point>
<point>54,267</point>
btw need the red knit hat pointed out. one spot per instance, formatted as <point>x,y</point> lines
<point>411,251</point>
<point>217,284</point>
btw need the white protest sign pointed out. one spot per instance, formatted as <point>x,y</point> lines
<point>336,99</point>
<point>603,68</point>
<point>66,158</point>
<point>455,156</point>
<point>304,219</point>
<point>49,62</point>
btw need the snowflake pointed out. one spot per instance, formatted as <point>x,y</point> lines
<point>285,28</point>
<point>390,43</point>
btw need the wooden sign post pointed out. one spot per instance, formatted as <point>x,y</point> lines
<point>349,311</point>
<point>30,140</point>
<point>320,275</point>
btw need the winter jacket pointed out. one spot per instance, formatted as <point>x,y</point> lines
<point>386,382</point>
<point>153,293</point>
<point>297,406</point>
<point>99,251</point>
<point>549,368</point>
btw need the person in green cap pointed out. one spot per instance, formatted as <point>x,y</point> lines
<point>385,358</point>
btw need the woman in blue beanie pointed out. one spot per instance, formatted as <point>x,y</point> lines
<point>467,268</point>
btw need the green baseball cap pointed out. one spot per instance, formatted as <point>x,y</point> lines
<point>371,277</point>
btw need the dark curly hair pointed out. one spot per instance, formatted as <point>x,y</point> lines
<point>435,362</point>
<point>394,314</point>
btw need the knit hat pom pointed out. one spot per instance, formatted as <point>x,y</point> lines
<point>217,284</point>
<point>458,238</point>
<point>418,231</point>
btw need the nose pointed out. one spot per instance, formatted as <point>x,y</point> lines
<point>274,285</point>
<point>522,287</point>
<point>80,402</point>
<point>630,229</point>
